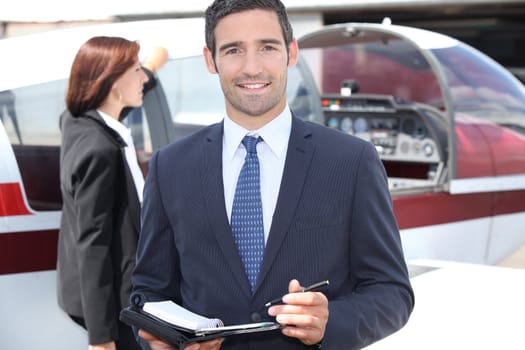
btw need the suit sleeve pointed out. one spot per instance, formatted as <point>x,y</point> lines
<point>93,181</point>
<point>382,298</point>
<point>156,274</point>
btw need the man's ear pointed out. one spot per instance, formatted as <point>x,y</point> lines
<point>210,62</point>
<point>293,53</point>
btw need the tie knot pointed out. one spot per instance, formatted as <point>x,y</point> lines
<point>250,143</point>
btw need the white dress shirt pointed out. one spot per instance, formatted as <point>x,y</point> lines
<point>129,151</point>
<point>271,153</point>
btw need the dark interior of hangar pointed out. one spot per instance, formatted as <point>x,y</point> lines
<point>496,28</point>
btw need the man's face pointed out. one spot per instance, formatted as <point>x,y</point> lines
<point>252,62</point>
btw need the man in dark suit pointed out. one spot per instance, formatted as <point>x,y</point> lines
<point>325,208</point>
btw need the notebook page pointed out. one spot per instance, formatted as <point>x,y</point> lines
<point>177,315</point>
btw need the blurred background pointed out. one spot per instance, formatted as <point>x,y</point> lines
<point>495,27</point>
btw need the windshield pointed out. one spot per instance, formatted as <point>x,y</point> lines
<point>482,88</point>
<point>392,67</point>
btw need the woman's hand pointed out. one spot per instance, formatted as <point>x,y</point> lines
<point>104,346</point>
<point>158,344</point>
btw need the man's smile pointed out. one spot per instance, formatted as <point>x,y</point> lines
<point>253,86</point>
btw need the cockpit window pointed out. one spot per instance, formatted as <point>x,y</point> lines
<point>390,68</point>
<point>194,95</point>
<point>482,88</point>
<point>30,116</point>
<point>31,113</point>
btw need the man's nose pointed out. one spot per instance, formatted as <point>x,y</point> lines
<point>252,63</point>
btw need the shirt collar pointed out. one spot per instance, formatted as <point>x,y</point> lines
<point>114,124</point>
<point>275,134</point>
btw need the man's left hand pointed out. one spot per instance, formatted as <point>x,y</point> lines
<point>303,315</point>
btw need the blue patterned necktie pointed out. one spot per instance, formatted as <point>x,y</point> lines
<point>246,217</point>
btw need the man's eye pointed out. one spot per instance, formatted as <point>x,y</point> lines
<point>269,48</point>
<point>232,51</point>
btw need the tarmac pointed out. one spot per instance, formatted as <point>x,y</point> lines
<point>515,260</point>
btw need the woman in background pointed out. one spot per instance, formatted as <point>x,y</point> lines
<point>101,186</point>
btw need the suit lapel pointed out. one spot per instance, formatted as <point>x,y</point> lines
<point>133,199</point>
<point>213,189</point>
<point>134,202</point>
<point>298,159</point>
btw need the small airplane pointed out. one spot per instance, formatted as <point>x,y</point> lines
<point>447,121</point>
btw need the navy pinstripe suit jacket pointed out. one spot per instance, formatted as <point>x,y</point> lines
<point>333,220</point>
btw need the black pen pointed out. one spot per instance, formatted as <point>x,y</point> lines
<point>311,288</point>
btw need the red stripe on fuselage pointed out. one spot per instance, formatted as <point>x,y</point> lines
<point>440,208</point>
<point>12,200</point>
<point>36,250</point>
<point>28,251</point>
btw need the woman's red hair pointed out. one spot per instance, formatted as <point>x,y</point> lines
<point>98,64</point>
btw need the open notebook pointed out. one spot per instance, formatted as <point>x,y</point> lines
<point>179,326</point>
<point>177,315</point>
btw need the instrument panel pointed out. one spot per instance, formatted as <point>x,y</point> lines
<point>399,134</point>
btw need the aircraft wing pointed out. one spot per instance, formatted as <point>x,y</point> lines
<point>462,306</point>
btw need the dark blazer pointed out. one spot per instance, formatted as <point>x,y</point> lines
<point>99,227</point>
<point>333,220</point>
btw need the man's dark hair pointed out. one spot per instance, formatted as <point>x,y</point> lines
<point>222,8</point>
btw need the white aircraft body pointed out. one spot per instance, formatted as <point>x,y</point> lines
<point>447,121</point>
